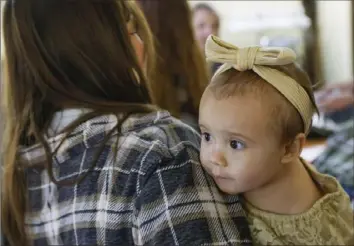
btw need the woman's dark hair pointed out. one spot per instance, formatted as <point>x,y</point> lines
<point>61,54</point>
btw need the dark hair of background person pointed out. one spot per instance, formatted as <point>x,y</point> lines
<point>180,62</point>
<point>50,65</point>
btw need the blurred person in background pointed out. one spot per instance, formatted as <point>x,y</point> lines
<point>181,73</point>
<point>205,22</point>
<point>336,101</point>
<point>88,160</point>
<point>337,159</point>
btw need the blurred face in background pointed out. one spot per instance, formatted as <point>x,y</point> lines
<point>205,23</point>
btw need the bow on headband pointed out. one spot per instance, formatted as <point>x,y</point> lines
<point>259,59</point>
<point>245,58</point>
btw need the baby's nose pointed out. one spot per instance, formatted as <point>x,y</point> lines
<point>218,159</point>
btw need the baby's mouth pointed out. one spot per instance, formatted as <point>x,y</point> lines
<point>220,178</point>
<point>216,177</point>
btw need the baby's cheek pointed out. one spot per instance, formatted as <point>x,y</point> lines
<point>204,159</point>
<point>202,156</point>
<point>239,167</point>
<point>250,177</point>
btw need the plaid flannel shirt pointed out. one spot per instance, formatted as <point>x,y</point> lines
<point>152,192</point>
<point>338,158</point>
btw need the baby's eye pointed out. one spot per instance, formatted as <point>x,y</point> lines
<point>206,136</point>
<point>234,144</point>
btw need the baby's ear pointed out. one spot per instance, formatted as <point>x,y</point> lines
<point>293,149</point>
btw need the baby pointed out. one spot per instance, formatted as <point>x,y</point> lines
<point>254,118</point>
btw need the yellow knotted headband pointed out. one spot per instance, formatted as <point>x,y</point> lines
<point>259,59</point>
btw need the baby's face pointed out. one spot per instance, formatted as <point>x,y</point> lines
<point>239,149</point>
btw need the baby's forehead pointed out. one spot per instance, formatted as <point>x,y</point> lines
<point>270,105</point>
<point>260,91</point>
<point>243,114</point>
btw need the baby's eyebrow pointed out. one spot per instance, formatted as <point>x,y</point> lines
<point>201,125</point>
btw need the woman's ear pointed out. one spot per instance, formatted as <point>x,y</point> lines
<point>293,149</point>
<point>138,45</point>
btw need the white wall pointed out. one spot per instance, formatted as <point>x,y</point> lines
<point>335,27</point>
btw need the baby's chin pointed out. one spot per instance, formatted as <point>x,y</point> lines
<point>227,187</point>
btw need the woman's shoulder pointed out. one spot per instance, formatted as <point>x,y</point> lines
<point>162,127</point>
<point>149,137</point>
<point>137,134</point>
